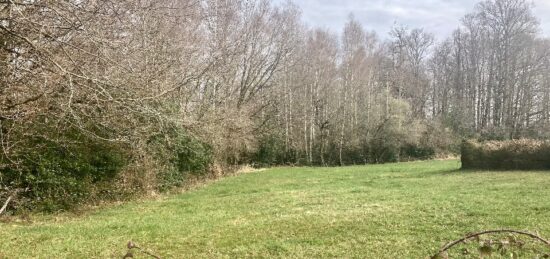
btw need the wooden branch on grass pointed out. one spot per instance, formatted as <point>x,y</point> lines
<point>474,235</point>
<point>131,245</point>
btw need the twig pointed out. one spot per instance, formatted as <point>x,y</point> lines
<point>132,245</point>
<point>470,236</point>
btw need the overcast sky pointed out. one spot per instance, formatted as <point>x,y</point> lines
<point>440,17</point>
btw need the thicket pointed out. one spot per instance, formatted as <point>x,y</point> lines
<point>523,154</point>
<point>393,134</point>
<point>383,149</point>
<point>55,175</point>
<point>180,155</point>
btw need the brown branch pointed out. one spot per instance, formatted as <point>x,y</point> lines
<point>470,236</point>
<point>8,2</point>
<point>13,194</point>
<point>131,245</point>
<point>5,205</point>
<point>31,99</point>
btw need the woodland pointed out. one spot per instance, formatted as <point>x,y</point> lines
<point>108,100</point>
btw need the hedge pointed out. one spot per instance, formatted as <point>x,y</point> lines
<point>524,154</point>
<point>59,176</point>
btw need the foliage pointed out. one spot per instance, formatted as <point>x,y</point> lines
<point>181,154</point>
<point>270,152</point>
<point>395,133</point>
<point>136,96</point>
<point>417,152</point>
<point>59,176</point>
<point>521,154</point>
<point>391,135</point>
<point>81,170</point>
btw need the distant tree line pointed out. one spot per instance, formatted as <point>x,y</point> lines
<point>109,99</point>
<point>357,99</point>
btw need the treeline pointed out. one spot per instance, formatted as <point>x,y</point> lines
<point>109,99</point>
<point>356,99</point>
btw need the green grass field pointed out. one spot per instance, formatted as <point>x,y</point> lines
<point>405,210</point>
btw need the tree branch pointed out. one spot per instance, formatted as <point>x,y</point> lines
<point>470,236</point>
<point>5,205</point>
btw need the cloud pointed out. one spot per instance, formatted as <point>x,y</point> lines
<point>542,11</point>
<point>440,17</point>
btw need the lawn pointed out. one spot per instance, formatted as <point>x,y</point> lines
<point>404,210</point>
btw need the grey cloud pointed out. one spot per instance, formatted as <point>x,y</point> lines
<point>440,17</point>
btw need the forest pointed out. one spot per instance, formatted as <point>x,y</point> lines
<point>109,100</point>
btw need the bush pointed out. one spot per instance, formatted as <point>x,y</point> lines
<point>181,154</point>
<point>413,152</point>
<point>70,169</point>
<point>506,155</point>
<point>270,152</point>
<point>59,176</point>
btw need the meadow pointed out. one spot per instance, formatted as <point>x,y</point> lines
<point>402,210</point>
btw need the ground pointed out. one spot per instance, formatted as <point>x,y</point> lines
<point>404,210</point>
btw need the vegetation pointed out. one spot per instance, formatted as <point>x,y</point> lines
<point>506,155</point>
<point>119,99</point>
<point>59,176</point>
<point>403,210</point>
<point>500,242</point>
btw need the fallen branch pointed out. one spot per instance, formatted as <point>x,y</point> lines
<point>474,235</point>
<point>131,245</point>
<point>13,195</point>
<point>5,205</point>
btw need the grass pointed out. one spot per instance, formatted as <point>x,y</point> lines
<point>405,210</point>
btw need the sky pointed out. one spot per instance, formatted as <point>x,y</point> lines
<point>439,17</point>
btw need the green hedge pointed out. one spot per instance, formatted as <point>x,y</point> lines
<point>59,176</point>
<point>506,155</point>
<point>181,154</point>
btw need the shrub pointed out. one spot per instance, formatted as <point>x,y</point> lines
<point>413,152</point>
<point>70,169</point>
<point>181,154</point>
<point>59,176</point>
<point>270,152</point>
<point>506,155</point>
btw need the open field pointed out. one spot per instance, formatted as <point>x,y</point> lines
<point>405,210</point>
